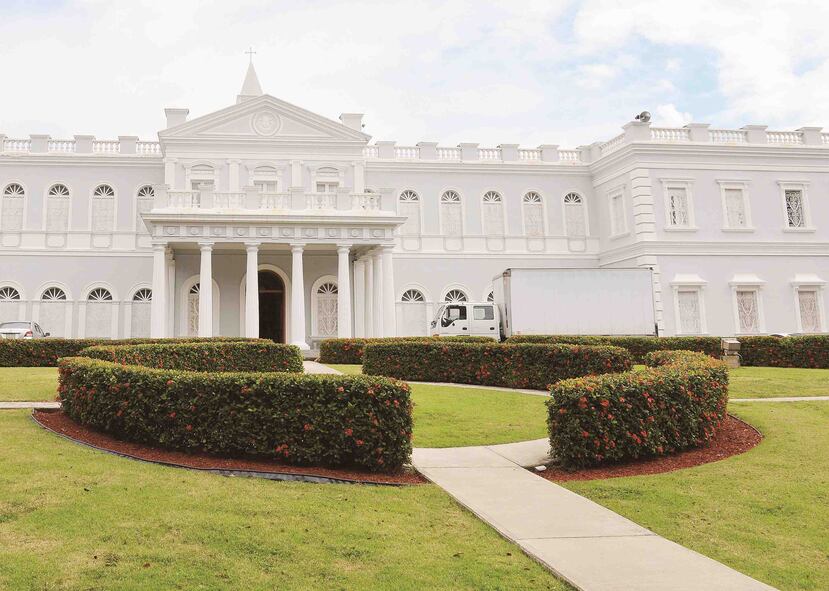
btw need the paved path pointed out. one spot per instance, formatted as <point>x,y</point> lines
<point>781,399</point>
<point>314,367</point>
<point>13,405</point>
<point>589,546</point>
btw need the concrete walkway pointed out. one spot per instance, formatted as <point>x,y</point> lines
<point>14,405</point>
<point>319,368</point>
<point>591,547</point>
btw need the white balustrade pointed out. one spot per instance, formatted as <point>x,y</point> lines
<point>148,148</point>
<point>106,146</point>
<point>489,153</point>
<point>671,134</point>
<point>321,201</point>
<point>529,155</point>
<point>13,145</point>
<point>229,200</point>
<point>448,153</point>
<point>824,137</point>
<point>569,155</point>
<point>612,144</point>
<point>728,136</point>
<point>365,201</point>
<point>275,201</point>
<point>62,146</point>
<point>371,152</point>
<point>784,137</point>
<point>184,199</point>
<point>407,152</point>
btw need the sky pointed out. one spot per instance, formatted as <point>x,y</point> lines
<point>524,71</point>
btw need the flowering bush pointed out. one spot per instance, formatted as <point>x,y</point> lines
<point>294,418</point>
<point>212,356</point>
<point>351,350</point>
<point>491,364</point>
<point>638,346</point>
<point>678,402</point>
<point>46,352</point>
<point>797,351</point>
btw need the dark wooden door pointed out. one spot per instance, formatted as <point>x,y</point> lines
<point>271,307</point>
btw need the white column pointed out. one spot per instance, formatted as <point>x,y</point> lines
<point>298,298</point>
<point>206,290</point>
<point>252,291</point>
<point>158,307</point>
<point>171,293</point>
<point>389,311</point>
<point>343,291</point>
<point>359,298</point>
<point>377,297</point>
<point>369,299</point>
<point>232,176</point>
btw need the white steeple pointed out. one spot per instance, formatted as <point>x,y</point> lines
<point>250,87</point>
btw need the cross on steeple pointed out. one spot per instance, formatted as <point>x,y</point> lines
<point>251,53</point>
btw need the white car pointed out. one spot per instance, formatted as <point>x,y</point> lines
<point>21,329</point>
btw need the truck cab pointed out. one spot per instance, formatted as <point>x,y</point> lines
<point>467,318</point>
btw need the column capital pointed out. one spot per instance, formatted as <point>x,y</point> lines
<point>160,246</point>
<point>252,246</point>
<point>346,248</point>
<point>297,246</point>
<point>206,245</point>
<point>385,248</point>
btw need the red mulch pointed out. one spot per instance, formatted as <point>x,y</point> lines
<point>733,437</point>
<point>61,424</point>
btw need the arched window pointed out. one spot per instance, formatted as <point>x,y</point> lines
<point>103,209</point>
<point>451,217</point>
<point>574,220</point>
<point>57,208</point>
<point>327,180</point>
<point>54,312</point>
<point>143,203</point>
<point>266,179</point>
<point>11,208</point>
<point>453,296</point>
<point>193,310</point>
<point>492,214</point>
<point>140,313</point>
<point>413,314</point>
<point>9,294</point>
<point>410,207</point>
<point>533,210</point>
<point>326,297</point>
<point>202,176</point>
<point>412,296</point>
<point>9,304</point>
<point>99,314</point>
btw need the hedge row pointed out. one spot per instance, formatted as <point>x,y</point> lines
<point>676,403</point>
<point>491,364</point>
<point>300,419</point>
<point>639,347</point>
<point>212,356</point>
<point>46,352</point>
<point>797,351</point>
<point>351,350</point>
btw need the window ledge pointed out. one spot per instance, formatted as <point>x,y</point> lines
<point>745,230</point>
<point>681,228</point>
<point>806,230</point>
<point>620,235</point>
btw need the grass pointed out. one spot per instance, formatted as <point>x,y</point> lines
<point>347,368</point>
<point>28,383</point>
<point>75,518</point>
<point>766,382</point>
<point>765,513</point>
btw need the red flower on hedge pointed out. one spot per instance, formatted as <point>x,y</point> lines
<point>349,432</point>
<point>308,426</point>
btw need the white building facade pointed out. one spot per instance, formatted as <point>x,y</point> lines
<point>305,230</point>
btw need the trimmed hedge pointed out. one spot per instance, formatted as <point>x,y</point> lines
<point>676,403</point>
<point>301,419</point>
<point>639,347</point>
<point>796,351</point>
<point>492,364</point>
<point>213,356</point>
<point>350,351</point>
<point>46,352</point>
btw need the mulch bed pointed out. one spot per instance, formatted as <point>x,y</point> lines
<point>733,438</point>
<point>58,422</point>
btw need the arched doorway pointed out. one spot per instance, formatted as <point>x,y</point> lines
<point>271,306</point>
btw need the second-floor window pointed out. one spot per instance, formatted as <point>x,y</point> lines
<point>410,207</point>
<point>451,215</point>
<point>103,209</point>
<point>11,207</point>
<point>493,214</point>
<point>618,223</point>
<point>735,208</point>
<point>327,186</point>
<point>679,207</point>
<point>795,208</point>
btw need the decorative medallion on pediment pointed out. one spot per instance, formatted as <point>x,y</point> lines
<point>217,231</point>
<point>356,232</point>
<point>310,232</point>
<point>194,230</point>
<point>378,233</point>
<point>241,231</point>
<point>263,231</point>
<point>333,232</point>
<point>287,232</point>
<point>266,122</point>
<point>171,230</point>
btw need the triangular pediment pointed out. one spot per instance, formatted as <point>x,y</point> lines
<point>266,118</point>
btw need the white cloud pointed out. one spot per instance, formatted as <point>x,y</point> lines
<point>669,116</point>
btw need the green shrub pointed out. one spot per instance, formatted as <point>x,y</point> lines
<point>211,356</point>
<point>797,351</point>
<point>351,350</point>
<point>639,347</point>
<point>46,352</point>
<point>676,403</point>
<point>296,418</point>
<point>491,364</point>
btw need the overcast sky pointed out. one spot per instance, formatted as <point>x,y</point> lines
<point>523,71</point>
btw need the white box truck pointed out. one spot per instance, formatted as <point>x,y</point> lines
<point>556,301</point>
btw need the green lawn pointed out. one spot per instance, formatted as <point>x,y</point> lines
<point>766,382</point>
<point>765,513</point>
<point>75,518</point>
<point>28,383</point>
